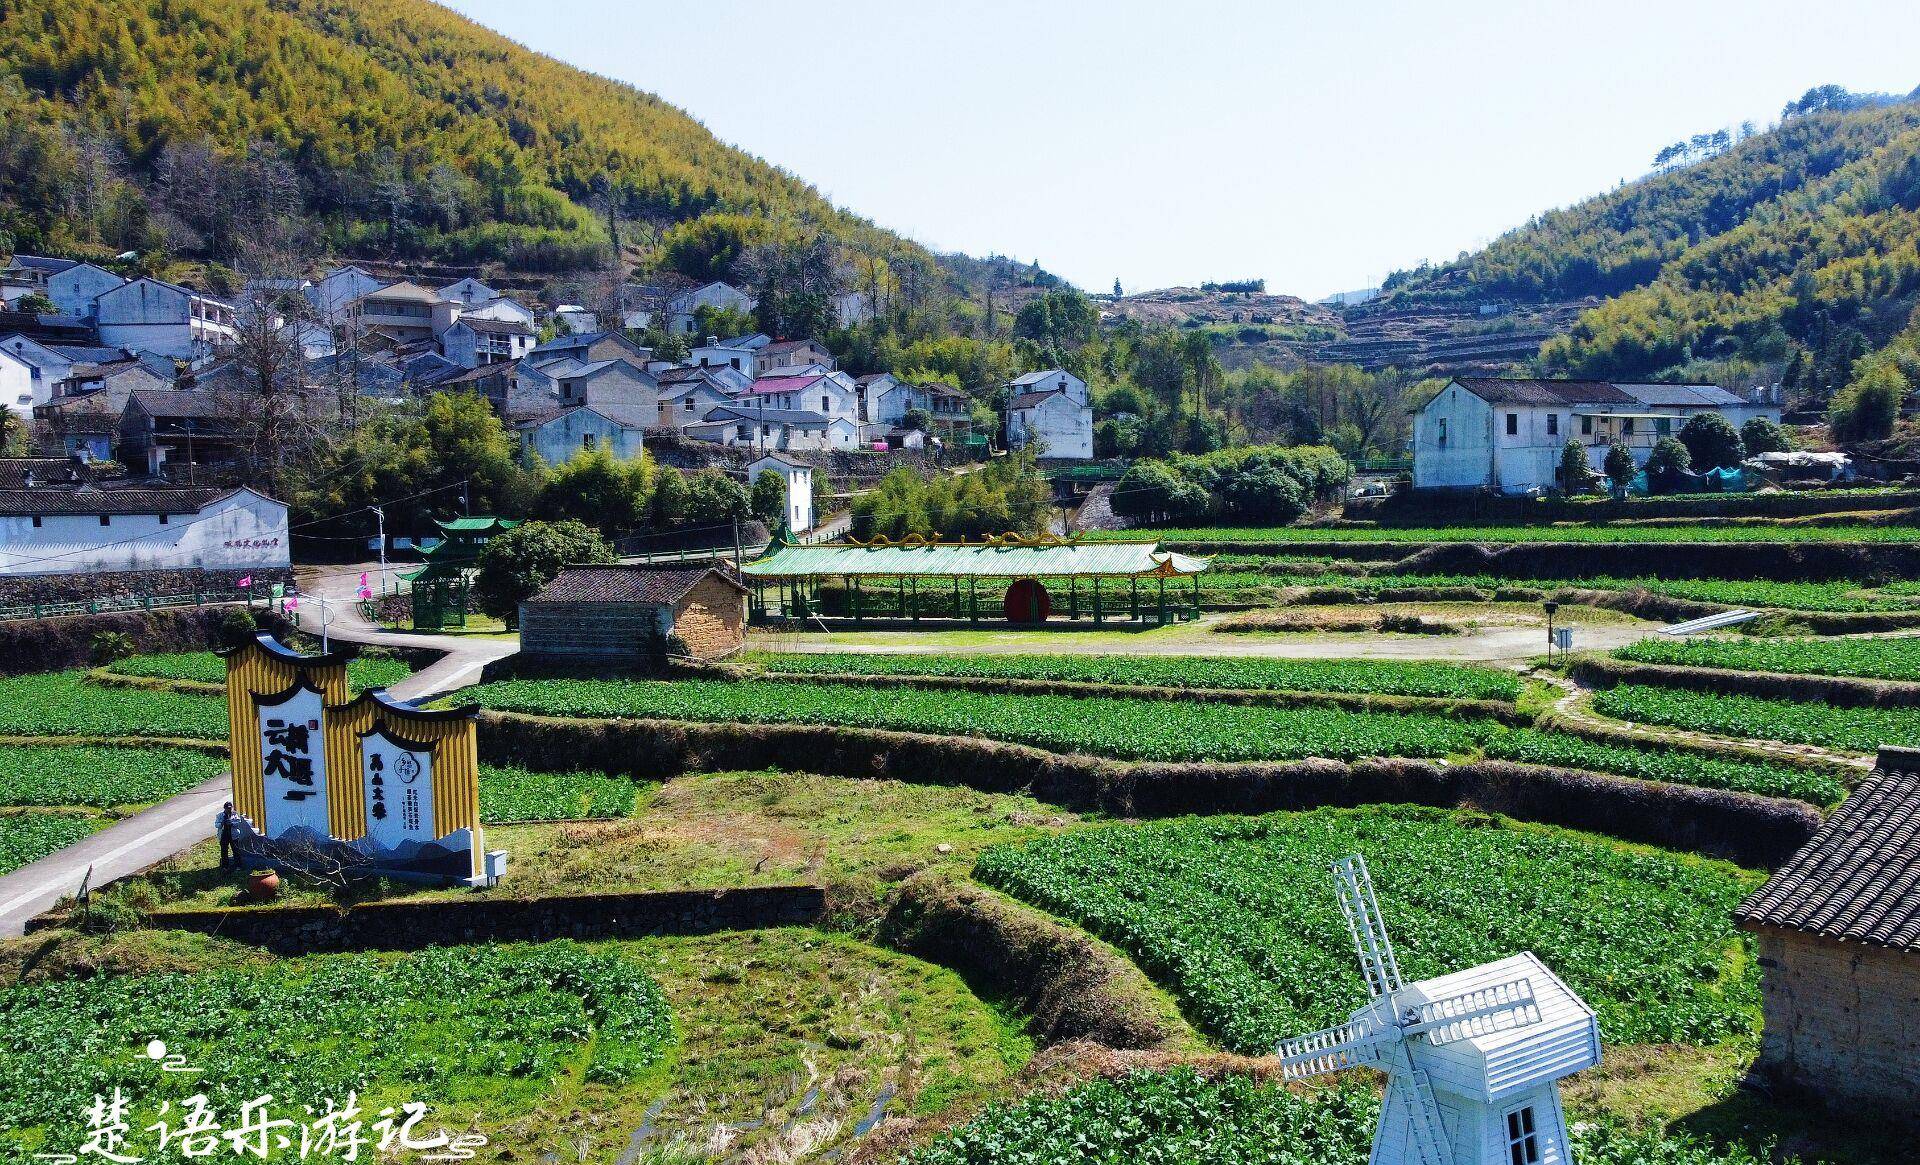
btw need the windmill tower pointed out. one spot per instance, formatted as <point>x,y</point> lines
<point>1472,1059</point>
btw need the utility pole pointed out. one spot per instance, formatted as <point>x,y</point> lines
<point>736,545</point>
<point>380,513</point>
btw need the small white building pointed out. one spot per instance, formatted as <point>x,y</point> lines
<point>798,477</point>
<point>53,526</point>
<point>468,292</point>
<point>19,385</point>
<point>151,315</point>
<point>746,427</point>
<point>1052,408</point>
<point>585,428</point>
<point>576,320</point>
<point>1508,434</point>
<point>340,287</point>
<point>832,394</point>
<point>737,353</point>
<point>717,295</point>
<point>502,308</point>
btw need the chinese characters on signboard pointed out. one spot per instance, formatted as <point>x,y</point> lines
<point>398,780</point>
<point>293,761</point>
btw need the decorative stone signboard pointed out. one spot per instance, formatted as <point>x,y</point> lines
<point>298,742</point>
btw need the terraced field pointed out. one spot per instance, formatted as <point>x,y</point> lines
<point>63,704</point>
<point>1633,532</point>
<point>1851,729</point>
<point>1237,916</point>
<point>97,777</point>
<point>1877,659</point>
<point>207,668</point>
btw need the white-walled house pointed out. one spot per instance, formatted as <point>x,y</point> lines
<point>471,342</point>
<point>340,287</point>
<point>585,428</point>
<point>797,476</point>
<point>151,315</point>
<point>19,383</point>
<point>53,526</point>
<point>716,295</point>
<point>831,394</point>
<point>502,307</point>
<point>406,311</point>
<point>685,402</point>
<point>468,292</point>
<point>735,354</point>
<point>74,289</point>
<point>886,399</point>
<point>747,426</point>
<point>1508,434</point>
<point>1051,407</point>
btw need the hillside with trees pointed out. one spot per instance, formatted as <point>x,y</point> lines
<point>389,129</point>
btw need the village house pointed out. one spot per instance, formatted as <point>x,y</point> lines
<point>885,400</point>
<point>406,311</point>
<point>789,356</point>
<point>612,428</point>
<point>617,382</point>
<point>1838,933</point>
<point>55,519</point>
<point>832,394</point>
<point>1051,408</point>
<point>503,308</point>
<point>1508,434</point>
<point>797,477</point>
<point>750,427</point>
<point>682,308</point>
<point>590,348</point>
<point>28,274</point>
<point>74,290</point>
<point>947,404</point>
<point>634,614</point>
<point>338,288</point>
<point>471,341</point>
<point>468,293</point>
<point>575,320</point>
<point>738,353</point>
<point>181,429</point>
<point>150,315</point>
<point>687,395</point>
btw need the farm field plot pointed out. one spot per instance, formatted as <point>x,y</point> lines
<point>28,837</point>
<point>1820,786</point>
<point>63,704</point>
<point>708,830</point>
<point>1853,729</point>
<point>1454,681</point>
<point>1877,659</point>
<point>1180,1116</point>
<point>1126,729</point>
<point>207,668</point>
<point>1499,534</point>
<point>100,778</point>
<point>510,795</point>
<point>488,1029</point>
<point>1237,918</point>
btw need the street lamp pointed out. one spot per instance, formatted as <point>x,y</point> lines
<point>1549,606</point>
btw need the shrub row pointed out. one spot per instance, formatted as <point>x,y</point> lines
<point>1750,830</point>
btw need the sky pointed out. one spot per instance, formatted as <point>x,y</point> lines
<point>1316,145</point>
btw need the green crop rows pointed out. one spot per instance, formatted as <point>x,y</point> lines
<point>208,668</point>
<point>1626,532</point>
<point>28,837</point>
<point>1237,916</point>
<point>1128,729</point>
<point>1672,765</point>
<point>99,777</point>
<point>1857,729</point>
<point>459,1028</point>
<point>1181,1118</point>
<point>511,794</point>
<point>1878,659</point>
<point>62,704</point>
<point>1454,681</point>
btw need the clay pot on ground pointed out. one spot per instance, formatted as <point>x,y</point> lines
<point>263,885</point>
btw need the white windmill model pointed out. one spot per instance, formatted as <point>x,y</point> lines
<point>1472,1059</point>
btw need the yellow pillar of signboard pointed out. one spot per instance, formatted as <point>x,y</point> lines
<point>369,783</point>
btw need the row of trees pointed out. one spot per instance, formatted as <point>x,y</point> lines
<point>1005,495</point>
<point>1260,485</point>
<point>1707,441</point>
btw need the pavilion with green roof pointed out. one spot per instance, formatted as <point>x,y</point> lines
<point>917,577</point>
<point>440,585</point>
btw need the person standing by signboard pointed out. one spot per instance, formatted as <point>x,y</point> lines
<point>226,836</point>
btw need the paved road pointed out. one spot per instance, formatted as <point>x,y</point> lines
<point>184,821</point>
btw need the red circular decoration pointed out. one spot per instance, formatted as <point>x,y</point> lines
<point>1027,602</point>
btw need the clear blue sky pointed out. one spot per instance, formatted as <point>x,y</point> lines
<point>1318,145</point>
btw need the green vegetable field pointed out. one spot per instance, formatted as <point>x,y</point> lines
<point>1237,915</point>
<point>1877,659</point>
<point>1531,746</point>
<point>1128,729</point>
<point>1455,681</point>
<point>462,1029</point>
<point>1626,532</point>
<point>1856,729</point>
<point>1181,1118</point>
<point>513,794</point>
<point>208,668</point>
<point>100,777</point>
<point>62,704</point>
<point>28,837</point>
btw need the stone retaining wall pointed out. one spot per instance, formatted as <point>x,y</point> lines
<point>411,925</point>
<point>78,588</point>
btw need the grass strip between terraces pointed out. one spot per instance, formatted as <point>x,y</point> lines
<point>1237,916</point>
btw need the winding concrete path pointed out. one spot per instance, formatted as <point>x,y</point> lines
<point>178,824</point>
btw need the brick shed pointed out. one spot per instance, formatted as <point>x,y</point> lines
<point>1839,936</point>
<point>626,613</point>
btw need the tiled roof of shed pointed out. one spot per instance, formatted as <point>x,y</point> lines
<point>1858,879</point>
<point>628,583</point>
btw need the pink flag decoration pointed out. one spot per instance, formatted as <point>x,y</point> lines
<point>245,581</point>
<point>366,593</point>
<point>363,580</point>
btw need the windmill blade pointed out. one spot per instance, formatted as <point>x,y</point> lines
<point>1355,889</point>
<point>1350,1045</point>
<point>1502,1007</point>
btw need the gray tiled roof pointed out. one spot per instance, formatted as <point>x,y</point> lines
<point>627,583</point>
<point>1688,396</point>
<point>1858,879</point>
<point>1503,391</point>
<point>89,499</point>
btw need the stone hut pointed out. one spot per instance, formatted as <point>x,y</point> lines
<point>635,613</point>
<point>1838,929</point>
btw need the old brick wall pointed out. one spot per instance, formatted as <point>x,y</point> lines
<point>711,619</point>
<point>1841,1022</point>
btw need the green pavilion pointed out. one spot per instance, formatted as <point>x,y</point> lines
<point>440,587</point>
<point>1018,579</point>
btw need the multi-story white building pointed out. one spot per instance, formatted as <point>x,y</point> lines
<point>1508,434</point>
<point>151,315</point>
<point>1052,408</point>
<point>52,522</point>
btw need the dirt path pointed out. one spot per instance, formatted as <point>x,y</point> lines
<point>1499,645</point>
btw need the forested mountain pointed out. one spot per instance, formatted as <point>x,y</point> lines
<point>1787,256</point>
<point>366,127</point>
